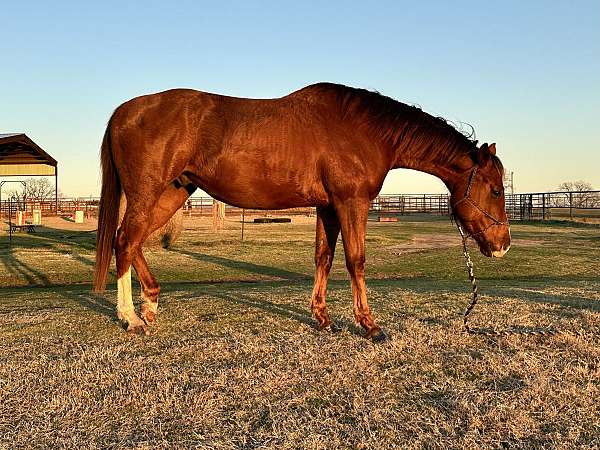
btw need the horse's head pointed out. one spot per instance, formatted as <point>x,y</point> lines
<point>477,200</point>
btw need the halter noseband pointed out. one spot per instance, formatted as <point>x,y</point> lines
<point>467,198</point>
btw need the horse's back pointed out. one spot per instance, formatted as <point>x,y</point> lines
<point>241,150</point>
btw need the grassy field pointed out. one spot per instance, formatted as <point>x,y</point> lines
<point>236,362</point>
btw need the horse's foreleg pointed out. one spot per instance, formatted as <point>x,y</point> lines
<point>169,202</point>
<point>327,231</point>
<point>353,215</point>
<point>149,288</point>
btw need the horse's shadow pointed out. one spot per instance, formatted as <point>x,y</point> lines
<point>97,303</point>
<point>301,315</point>
<point>285,310</point>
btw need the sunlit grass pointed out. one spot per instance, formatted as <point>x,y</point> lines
<point>235,360</point>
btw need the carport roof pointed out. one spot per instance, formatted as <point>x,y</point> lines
<point>17,148</point>
<point>20,156</point>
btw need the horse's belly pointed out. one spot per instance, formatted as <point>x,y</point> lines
<point>256,189</point>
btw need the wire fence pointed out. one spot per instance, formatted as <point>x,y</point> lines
<point>578,205</point>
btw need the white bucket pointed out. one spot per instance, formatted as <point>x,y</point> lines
<point>37,217</point>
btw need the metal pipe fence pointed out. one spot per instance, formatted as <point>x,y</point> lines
<point>554,205</point>
<point>526,206</point>
<point>406,204</point>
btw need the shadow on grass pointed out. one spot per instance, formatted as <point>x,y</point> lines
<point>80,294</point>
<point>288,311</point>
<point>19,269</point>
<point>558,223</point>
<point>526,290</point>
<point>49,239</point>
<point>93,302</point>
<point>245,266</point>
<point>233,293</point>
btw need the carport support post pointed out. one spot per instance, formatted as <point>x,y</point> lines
<point>56,189</point>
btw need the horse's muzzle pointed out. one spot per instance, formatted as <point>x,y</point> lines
<point>500,253</point>
<point>495,242</point>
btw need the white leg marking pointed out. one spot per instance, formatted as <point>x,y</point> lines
<point>125,308</point>
<point>124,301</point>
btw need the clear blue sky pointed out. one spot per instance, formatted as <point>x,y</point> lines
<point>525,74</point>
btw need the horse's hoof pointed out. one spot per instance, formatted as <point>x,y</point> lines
<point>332,328</point>
<point>379,337</point>
<point>149,317</point>
<point>140,330</point>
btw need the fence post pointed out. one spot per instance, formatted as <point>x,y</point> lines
<point>10,220</point>
<point>570,205</point>
<point>243,222</point>
<point>543,206</point>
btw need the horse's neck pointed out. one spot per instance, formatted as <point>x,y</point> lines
<point>446,167</point>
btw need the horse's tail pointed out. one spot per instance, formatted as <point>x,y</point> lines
<point>108,213</point>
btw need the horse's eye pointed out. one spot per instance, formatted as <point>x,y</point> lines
<point>496,193</point>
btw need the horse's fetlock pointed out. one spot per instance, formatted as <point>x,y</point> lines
<point>151,293</point>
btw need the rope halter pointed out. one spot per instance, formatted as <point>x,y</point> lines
<point>467,199</point>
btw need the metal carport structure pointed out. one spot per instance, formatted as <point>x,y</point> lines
<point>20,156</point>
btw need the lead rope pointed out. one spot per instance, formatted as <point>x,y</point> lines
<point>492,331</point>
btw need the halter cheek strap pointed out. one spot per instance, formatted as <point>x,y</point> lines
<point>467,199</point>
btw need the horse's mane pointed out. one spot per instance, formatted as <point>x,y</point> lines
<point>400,125</point>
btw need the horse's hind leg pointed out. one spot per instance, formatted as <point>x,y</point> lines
<point>169,202</point>
<point>128,241</point>
<point>327,231</point>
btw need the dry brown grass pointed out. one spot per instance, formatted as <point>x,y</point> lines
<point>239,364</point>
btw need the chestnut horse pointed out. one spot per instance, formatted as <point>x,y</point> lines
<point>326,145</point>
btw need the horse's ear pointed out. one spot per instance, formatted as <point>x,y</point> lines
<point>492,148</point>
<point>482,155</point>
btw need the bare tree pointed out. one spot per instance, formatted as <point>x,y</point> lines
<point>579,195</point>
<point>571,186</point>
<point>36,189</point>
<point>39,189</point>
